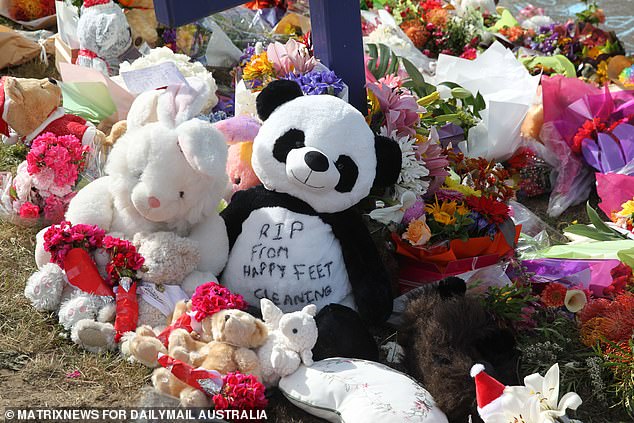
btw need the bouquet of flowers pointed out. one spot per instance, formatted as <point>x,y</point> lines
<point>45,181</point>
<point>434,29</point>
<point>72,247</point>
<point>294,61</point>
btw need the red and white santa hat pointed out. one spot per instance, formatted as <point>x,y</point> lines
<point>488,391</point>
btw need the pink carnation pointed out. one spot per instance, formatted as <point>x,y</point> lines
<point>211,298</point>
<point>29,211</point>
<point>54,208</point>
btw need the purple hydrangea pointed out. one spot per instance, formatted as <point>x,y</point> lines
<point>318,82</point>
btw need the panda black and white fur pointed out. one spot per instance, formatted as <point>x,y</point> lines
<point>297,239</point>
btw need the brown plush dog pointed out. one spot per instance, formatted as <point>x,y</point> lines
<point>447,333</point>
<point>31,107</point>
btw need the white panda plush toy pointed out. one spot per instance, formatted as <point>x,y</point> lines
<point>297,239</point>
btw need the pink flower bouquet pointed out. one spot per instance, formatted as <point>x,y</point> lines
<point>44,183</point>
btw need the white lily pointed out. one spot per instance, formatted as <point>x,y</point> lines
<point>394,213</point>
<point>536,402</point>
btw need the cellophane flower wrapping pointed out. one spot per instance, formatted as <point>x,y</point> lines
<point>508,90</point>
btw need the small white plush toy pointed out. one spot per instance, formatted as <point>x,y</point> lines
<point>166,174</point>
<point>104,36</point>
<point>292,337</point>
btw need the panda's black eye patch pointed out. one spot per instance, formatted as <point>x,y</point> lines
<point>293,138</point>
<point>349,172</point>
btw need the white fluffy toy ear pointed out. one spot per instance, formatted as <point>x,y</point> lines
<point>310,309</point>
<point>143,109</point>
<point>271,314</point>
<point>203,146</point>
<point>182,102</point>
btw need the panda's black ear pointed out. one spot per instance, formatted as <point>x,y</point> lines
<point>274,95</point>
<point>388,161</point>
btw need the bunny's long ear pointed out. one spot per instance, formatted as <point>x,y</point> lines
<point>180,103</point>
<point>143,109</point>
<point>203,146</point>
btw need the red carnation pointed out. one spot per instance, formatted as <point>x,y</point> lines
<point>240,392</point>
<point>495,211</point>
<point>211,298</point>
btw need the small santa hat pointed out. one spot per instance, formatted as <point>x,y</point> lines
<point>488,391</point>
<point>90,3</point>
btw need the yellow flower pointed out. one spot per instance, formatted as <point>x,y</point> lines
<point>628,209</point>
<point>452,185</point>
<point>463,210</point>
<point>444,218</point>
<point>418,233</point>
<point>258,68</point>
<point>443,213</point>
<point>375,106</point>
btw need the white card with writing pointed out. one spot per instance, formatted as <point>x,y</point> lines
<point>159,76</point>
<point>164,299</point>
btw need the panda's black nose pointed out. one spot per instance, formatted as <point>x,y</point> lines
<point>316,161</point>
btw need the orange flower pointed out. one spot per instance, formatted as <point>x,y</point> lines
<point>554,295</point>
<point>418,233</point>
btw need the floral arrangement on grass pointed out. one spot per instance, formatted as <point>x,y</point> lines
<point>44,182</point>
<point>73,247</point>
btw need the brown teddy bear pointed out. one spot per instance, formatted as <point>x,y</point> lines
<point>235,333</point>
<point>142,20</point>
<point>31,107</point>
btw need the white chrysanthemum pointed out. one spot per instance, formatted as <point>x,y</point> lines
<point>412,170</point>
<point>185,67</point>
<point>385,34</point>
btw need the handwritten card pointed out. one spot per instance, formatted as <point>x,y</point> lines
<point>154,77</point>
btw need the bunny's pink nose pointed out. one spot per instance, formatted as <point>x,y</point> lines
<point>154,202</point>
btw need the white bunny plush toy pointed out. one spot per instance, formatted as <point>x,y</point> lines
<point>292,337</point>
<point>166,174</point>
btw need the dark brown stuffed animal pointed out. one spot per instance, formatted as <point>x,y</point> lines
<point>445,334</point>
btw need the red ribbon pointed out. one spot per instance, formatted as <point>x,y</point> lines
<point>127,311</point>
<point>82,273</point>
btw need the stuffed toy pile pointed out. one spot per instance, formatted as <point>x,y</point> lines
<point>172,216</point>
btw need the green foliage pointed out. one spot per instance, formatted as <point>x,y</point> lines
<point>382,61</point>
<point>600,231</point>
<point>619,358</point>
<point>508,302</point>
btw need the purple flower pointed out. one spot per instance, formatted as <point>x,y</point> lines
<point>449,195</point>
<point>249,51</point>
<point>414,212</point>
<point>169,35</point>
<point>316,82</point>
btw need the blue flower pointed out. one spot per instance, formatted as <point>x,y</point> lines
<point>318,82</point>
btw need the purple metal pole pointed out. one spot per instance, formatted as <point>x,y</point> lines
<point>338,43</point>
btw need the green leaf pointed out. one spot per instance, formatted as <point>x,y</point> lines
<point>627,256</point>
<point>599,224</point>
<point>588,232</point>
<point>384,58</point>
<point>419,85</point>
